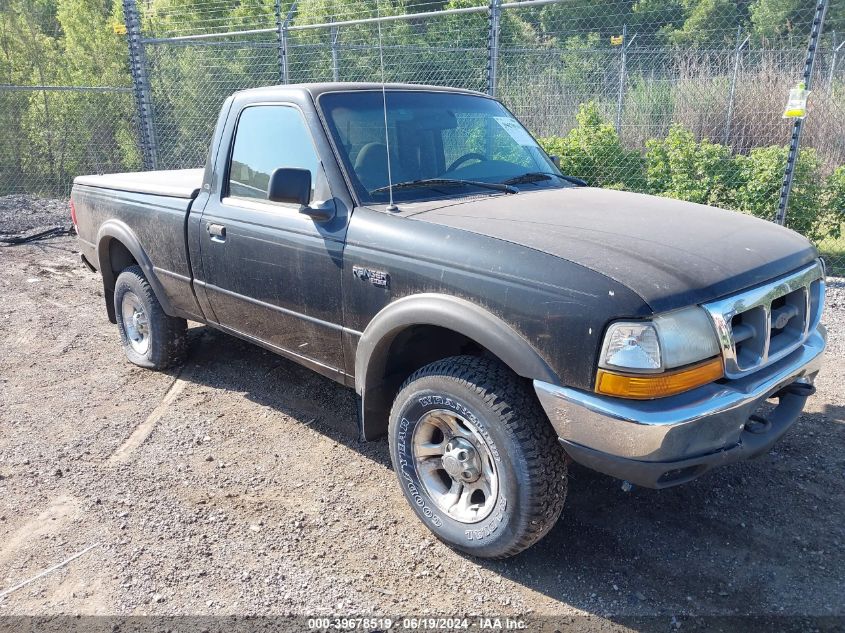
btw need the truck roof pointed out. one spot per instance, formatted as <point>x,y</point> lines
<point>316,89</point>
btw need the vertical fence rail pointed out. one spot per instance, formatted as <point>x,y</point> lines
<point>140,80</point>
<point>281,37</point>
<point>797,127</point>
<point>282,27</point>
<point>732,94</point>
<point>334,35</point>
<point>493,32</point>
<point>623,76</point>
<point>833,59</point>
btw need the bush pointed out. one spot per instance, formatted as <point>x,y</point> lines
<point>683,168</point>
<point>593,152</point>
<point>833,203</point>
<point>762,176</point>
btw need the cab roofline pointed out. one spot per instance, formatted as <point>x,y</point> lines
<point>317,89</point>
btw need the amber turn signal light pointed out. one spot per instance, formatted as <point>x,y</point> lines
<point>649,386</point>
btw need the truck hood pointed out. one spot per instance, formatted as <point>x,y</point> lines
<point>671,253</point>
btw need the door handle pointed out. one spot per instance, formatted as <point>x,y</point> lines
<point>216,231</point>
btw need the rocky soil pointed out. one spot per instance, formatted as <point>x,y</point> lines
<point>21,214</point>
<point>236,486</point>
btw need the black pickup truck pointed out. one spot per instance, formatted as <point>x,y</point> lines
<point>496,317</point>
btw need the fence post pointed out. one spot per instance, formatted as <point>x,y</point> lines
<point>282,35</point>
<point>493,29</point>
<point>282,40</point>
<point>335,34</point>
<point>836,49</point>
<point>140,83</point>
<point>732,95</point>
<point>623,75</point>
<point>795,141</point>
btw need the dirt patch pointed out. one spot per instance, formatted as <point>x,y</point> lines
<point>249,494</point>
<point>22,214</point>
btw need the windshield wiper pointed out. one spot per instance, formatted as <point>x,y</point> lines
<point>536,176</point>
<point>427,182</point>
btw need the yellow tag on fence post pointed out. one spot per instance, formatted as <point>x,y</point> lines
<point>119,29</point>
<point>616,40</point>
<point>796,107</point>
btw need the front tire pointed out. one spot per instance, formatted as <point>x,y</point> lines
<point>150,338</point>
<point>476,457</point>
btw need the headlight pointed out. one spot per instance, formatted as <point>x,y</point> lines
<point>641,359</point>
<point>632,346</point>
<point>686,336</point>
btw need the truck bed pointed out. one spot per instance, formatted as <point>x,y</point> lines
<point>147,212</point>
<point>176,183</point>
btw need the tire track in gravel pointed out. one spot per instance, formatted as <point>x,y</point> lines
<point>139,435</point>
<point>61,511</point>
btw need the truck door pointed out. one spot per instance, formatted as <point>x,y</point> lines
<point>271,273</point>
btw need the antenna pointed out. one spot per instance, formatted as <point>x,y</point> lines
<point>391,207</point>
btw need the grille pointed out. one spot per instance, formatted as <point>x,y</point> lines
<point>760,326</point>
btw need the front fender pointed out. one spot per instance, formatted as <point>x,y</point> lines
<point>451,313</point>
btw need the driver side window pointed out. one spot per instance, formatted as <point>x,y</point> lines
<point>269,137</point>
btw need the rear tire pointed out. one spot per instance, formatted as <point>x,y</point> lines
<point>150,338</point>
<point>476,456</point>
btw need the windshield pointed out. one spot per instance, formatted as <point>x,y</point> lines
<point>441,145</point>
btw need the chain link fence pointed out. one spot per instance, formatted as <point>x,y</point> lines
<point>66,103</point>
<point>49,134</point>
<point>681,99</point>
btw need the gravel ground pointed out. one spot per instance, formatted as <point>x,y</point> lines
<point>237,487</point>
<point>22,215</point>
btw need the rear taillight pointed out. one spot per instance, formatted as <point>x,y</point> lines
<point>73,213</point>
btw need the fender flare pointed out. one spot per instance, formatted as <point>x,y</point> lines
<point>120,231</point>
<point>448,312</point>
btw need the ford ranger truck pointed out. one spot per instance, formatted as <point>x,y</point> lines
<point>496,318</point>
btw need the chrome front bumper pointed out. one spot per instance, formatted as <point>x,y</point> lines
<point>668,441</point>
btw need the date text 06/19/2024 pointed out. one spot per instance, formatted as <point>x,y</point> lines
<point>417,624</point>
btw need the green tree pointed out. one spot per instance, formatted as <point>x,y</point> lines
<point>576,17</point>
<point>709,23</point>
<point>51,136</point>
<point>773,19</point>
<point>652,20</point>
<point>93,53</point>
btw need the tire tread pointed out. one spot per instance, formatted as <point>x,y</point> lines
<point>511,399</point>
<point>171,347</point>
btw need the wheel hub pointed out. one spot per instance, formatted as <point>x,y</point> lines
<point>455,465</point>
<point>461,461</point>
<point>135,323</point>
<point>139,321</point>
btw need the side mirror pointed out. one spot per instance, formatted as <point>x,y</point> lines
<point>290,185</point>
<point>555,161</point>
